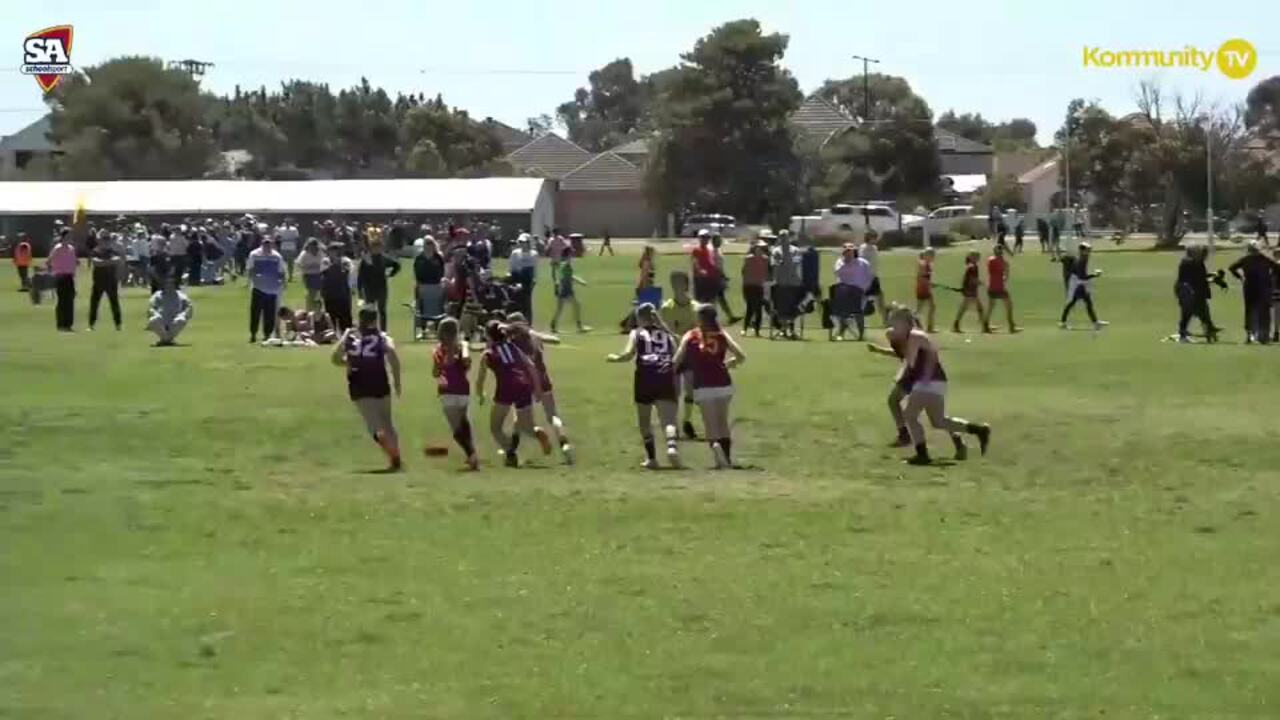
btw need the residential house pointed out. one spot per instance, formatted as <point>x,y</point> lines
<point>549,156</point>
<point>962,156</point>
<point>27,151</point>
<point>606,195</point>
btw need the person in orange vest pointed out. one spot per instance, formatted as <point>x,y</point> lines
<point>22,261</point>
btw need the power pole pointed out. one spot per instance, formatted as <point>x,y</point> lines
<point>866,86</point>
<point>195,68</point>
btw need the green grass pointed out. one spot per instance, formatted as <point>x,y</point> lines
<point>190,533</point>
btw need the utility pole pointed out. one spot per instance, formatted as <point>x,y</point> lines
<point>195,68</point>
<point>866,86</point>
<point>1208,173</point>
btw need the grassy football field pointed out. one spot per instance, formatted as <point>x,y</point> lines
<point>193,532</point>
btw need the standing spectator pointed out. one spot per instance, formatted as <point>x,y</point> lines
<point>523,266</point>
<point>1193,293</point>
<point>481,251</point>
<point>195,256</point>
<point>62,265</point>
<point>787,284</point>
<point>853,279</point>
<point>244,243</point>
<point>310,265</point>
<point>1256,270</point>
<point>1057,222</point>
<point>169,312</point>
<point>607,244</point>
<point>266,282</point>
<point>1262,228</point>
<point>133,259</point>
<point>995,218</point>
<point>177,249</point>
<point>755,275</point>
<point>287,235</point>
<point>721,279</point>
<point>428,279</point>
<point>702,260</point>
<point>159,251</point>
<point>557,246</point>
<point>810,269</point>
<point>106,280</point>
<point>371,279</point>
<point>335,286</point>
<point>1042,230</point>
<point>870,251</point>
<point>1019,231</point>
<point>22,261</point>
<point>1080,221</point>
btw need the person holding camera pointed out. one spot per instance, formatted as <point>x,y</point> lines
<point>1256,271</point>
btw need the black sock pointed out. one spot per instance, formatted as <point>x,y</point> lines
<point>515,443</point>
<point>903,434</point>
<point>648,447</point>
<point>973,428</point>
<point>958,441</point>
<point>463,437</point>
<point>922,450</point>
<point>727,445</point>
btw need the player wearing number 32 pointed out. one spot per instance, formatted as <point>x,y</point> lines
<point>367,352</point>
<point>704,350</point>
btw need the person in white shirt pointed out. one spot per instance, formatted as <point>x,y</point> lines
<point>853,277</point>
<point>523,267</point>
<point>870,252</point>
<point>169,312</point>
<point>133,246</point>
<point>266,278</point>
<point>177,250</point>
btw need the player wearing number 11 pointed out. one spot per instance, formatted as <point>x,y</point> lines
<point>367,352</point>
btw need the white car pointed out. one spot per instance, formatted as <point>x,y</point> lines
<point>855,218</point>
<point>711,222</point>
<point>942,219</point>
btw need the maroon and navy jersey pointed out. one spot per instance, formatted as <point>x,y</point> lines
<point>912,374</point>
<point>706,352</point>
<point>451,372</point>
<point>507,362</point>
<point>655,351</point>
<point>367,365</point>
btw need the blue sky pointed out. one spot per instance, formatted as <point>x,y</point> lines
<point>1003,59</point>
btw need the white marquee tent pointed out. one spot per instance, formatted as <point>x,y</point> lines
<point>481,196</point>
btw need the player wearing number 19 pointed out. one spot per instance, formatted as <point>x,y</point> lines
<point>367,352</point>
<point>653,346</point>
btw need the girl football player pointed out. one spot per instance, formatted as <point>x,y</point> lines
<point>450,363</point>
<point>653,346</point>
<point>924,288</point>
<point>367,352</point>
<point>969,291</point>
<point>517,384</point>
<point>922,377</point>
<point>530,343</point>
<point>704,349</point>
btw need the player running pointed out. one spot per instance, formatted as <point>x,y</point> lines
<point>530,343</point>
<point>653,346</point>
<point>897,348</point>
<point>969,291</point>
<point>450,363</point>
<point>924,287</point>
<point>703,349</point>
<point>678,315</point>
<point>517,384</point>
<point>922,377</point>
<point>998,289</point>
<point>367,352</point>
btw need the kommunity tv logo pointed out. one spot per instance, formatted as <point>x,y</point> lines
<point>1236,58</point>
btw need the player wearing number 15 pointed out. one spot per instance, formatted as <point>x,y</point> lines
<point>367,352</point>
<point>704,350</point>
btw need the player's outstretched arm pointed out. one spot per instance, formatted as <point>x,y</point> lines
<point>681,351</point>
<point>628,352</point>
<point>481,377</point>
<point>393,362</point>
<point>738,357</point>
<point>338,356</point>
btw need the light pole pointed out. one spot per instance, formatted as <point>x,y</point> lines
<point>1208,175</point>
<point>866,86</point>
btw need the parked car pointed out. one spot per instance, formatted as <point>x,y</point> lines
<point>951,218</point>
<point>855,218</point>
<point>711,222</point>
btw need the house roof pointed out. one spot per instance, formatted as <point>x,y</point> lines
<point>550,155</point>
<point>32,138</point>
<point>606,171</point>
<point>949,142</point>
<point>1038,171</point>
<point>817,117</point>
<point>512,139</point>
<point>638,146</point>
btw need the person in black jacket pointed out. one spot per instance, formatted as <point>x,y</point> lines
<point>1256,270</point>
<point>428,278</point>
<point>1193,293</point>
<point>1077,276</point>
<point>335,286</point>
<point>371,279</point>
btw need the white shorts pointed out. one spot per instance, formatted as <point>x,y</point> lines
<point>932,387</point>
<point>455,401</point>
<point>712,393</point>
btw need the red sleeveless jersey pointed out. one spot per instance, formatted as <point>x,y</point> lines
<point>451,372</point>
<point>531,347</point>
<point>706,352</point>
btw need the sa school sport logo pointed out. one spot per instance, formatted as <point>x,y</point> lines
<point>47,55</point>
